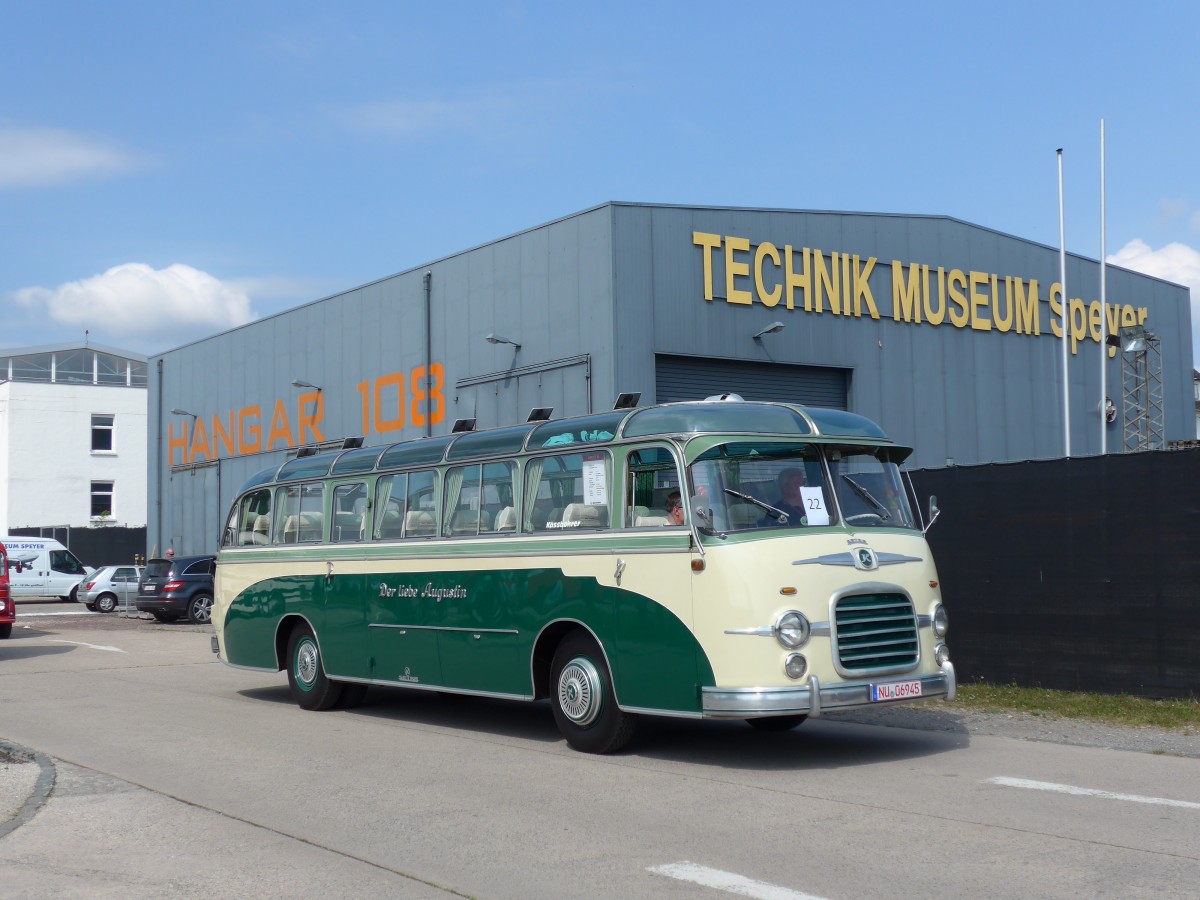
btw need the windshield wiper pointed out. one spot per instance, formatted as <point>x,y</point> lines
<point>771,511</point>
<point>884,515</point>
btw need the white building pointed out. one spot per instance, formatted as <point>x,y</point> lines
<point>72,437</point>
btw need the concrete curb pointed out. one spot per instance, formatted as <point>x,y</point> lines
<point>24,789</point>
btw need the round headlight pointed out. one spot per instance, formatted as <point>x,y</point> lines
<point>941,654</point>
<point>941,622</point>
<point>792,629</point>
<point>795,666</point>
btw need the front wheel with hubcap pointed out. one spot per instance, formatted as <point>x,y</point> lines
<point>306,673</point>
<point>105,603</point>
<point>200,610</point>
<point>583,700</point>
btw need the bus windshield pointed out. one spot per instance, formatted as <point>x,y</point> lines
<point>869,490</point>
<point>749,485</point>
<point>762,484</point>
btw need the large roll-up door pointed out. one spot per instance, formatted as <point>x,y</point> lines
<point>691,378</point>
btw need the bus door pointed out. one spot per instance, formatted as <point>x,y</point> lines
<point>482,623</point>
<point>403,608</point>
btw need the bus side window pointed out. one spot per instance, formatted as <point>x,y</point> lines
<point>390,498</point>
<point>349,505</point>
<point>555,485</point>
<point>650,477</point>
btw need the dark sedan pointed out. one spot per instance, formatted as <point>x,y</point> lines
<point>172,589</point>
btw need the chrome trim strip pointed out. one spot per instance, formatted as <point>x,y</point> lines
<point>762,631</point>
<point>847,559</point>
<point>248,668</point>
<point>743,703</point>
<point>815,629</point>
<point>665,713</point>
<point>499,554</point>
<point>444,628</point>
<point>440,688</point>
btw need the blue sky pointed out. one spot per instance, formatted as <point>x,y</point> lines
<point>168,170</point>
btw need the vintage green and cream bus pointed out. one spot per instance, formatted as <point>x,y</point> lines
<point>720,559</point>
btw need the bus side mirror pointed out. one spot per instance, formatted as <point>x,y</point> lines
<point>934,511</point>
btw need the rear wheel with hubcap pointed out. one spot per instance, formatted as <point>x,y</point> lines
<point>583,700</point>
<point>105,603</point>
<point>306,673</point>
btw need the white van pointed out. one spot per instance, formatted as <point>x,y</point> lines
<point>42,567</point>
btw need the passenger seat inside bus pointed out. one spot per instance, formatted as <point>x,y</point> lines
<point>347,526</point>
<point>587,515</point>
<point>506,519</point>
<point>419,523</point>
<point>302,528</point>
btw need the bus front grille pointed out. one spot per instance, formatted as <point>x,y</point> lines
<point>876,632</point>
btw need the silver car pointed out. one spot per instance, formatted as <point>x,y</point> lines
<point>109,587</point>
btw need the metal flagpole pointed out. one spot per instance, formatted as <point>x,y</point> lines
<point>1103,312</point>
<point>1062,280</point>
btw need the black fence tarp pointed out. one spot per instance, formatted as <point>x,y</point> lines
<point>95,547</point>
<point>1079,574</point>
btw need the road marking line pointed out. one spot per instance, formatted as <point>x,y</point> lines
<point>727,881</point>
<point>92,646</point>
<point>1090,792</point>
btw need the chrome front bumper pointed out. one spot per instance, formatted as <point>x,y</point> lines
<point>747,703</point>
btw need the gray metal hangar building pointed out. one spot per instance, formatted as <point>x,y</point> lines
<point>946,333</point>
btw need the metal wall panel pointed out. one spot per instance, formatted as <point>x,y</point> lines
<point>688,378</point>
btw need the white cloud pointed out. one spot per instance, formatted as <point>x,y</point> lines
<point>1175,262</point>
<point>175,305</point>
<point>44,157</point>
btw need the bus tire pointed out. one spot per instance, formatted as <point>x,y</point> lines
<point>583,700</point>
<point>5,630</point>
<point>776,723</point>
<point>306,672</point>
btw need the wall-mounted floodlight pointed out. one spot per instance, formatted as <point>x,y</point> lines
<point>463,425</point>
<point>496,339</point>
<point>307,451</point>
<point>628,400</point>
<point>297,383</point>
<point>1134,338</point>
<point>352,443</point>
<point>773,328</point>
<point>540,413</point>
<point>183,412</point>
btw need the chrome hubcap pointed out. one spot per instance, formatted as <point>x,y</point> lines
<point>306,664</point>
<point>579,693</point>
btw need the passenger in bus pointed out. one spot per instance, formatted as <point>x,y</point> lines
<point>790,500</point>
<point>674,509</point>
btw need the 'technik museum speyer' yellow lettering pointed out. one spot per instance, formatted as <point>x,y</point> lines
<point>810,280</point>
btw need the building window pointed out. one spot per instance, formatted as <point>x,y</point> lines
<point>102,498</point>
<point>102,434</point>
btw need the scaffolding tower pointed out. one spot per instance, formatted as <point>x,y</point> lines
<point>1141,390</point>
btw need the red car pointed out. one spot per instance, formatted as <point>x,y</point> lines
<point>8,609</point>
